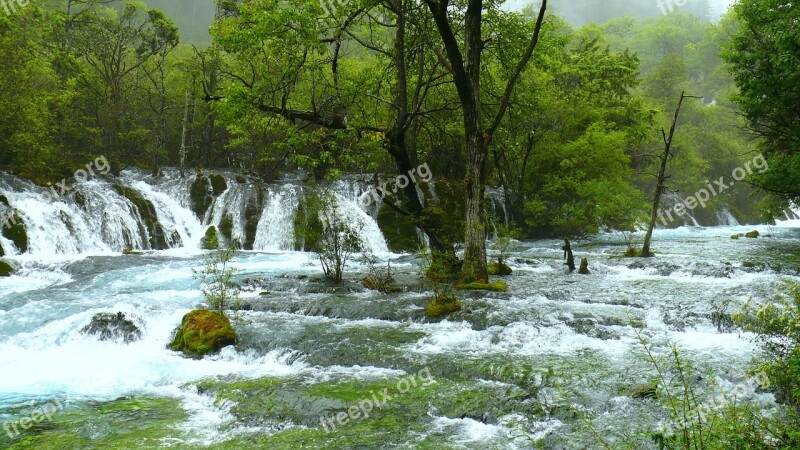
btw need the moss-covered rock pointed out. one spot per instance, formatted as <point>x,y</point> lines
<point>398,230</point>
<point>752,234</point>
<point>640,391</point>
<point>226,226</point>
<point>113,327</point>
<point>203,331</point>
<point>14,230</point>
<point>4,201</point>
<point>152,227</point>
<point>218,184</point>
<point>495,286</point>
<point>200,194</point>
<point>736,236</point>
<point>499,269</point>
<point>128,251</point>
<point>6,269</point>
<point>307,225</point>
<point>441,305</point>
<point>211,239</point>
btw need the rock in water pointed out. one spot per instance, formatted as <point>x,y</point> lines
<point>211,239</point>
<point>584,270</point>
<point>113,327</point>
<point>752,234</point>
<point>6,269</point>
<point>203,331</point>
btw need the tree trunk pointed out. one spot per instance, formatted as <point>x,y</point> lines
<point>662,178</point>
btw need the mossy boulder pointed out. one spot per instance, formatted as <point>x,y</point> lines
<point>307,226</point>
<point>441,305</point>
<point>113,327</point>
<point>4,201</point>
<point>6,269</point>
<point>736,236</point>
<point>226,226</point>
<point>495,286</point>
<point>399,230</point>
<point>200,194</point>
<point>152,227</point>
<point>641,391</point>
<point>128,251</point>
<point>13,229</point>
<point>211,239</point>
<point>752,234</point>
<point>203,331</point>
<point>218,184</point>
<point>499,269</point>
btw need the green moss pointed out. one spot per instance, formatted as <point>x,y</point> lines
<point>14,230</point>
<point>398,422</point>
<point>499,269</point>
<point>6,269</point>
<point>200,194</point>
<point>120,424</point>
<point>211,239</point>
<point>640,391</point>
<point>399,230</point>
<point>736,236</point>
<point>584,269</point>
<point>752,234</point>
<point>218,184</point>
<point>495,286</point>
<point>226,226</point>
<point>201,332</point>
<point>307,226</point>
<point>441,305</point>
<point>148,214</point>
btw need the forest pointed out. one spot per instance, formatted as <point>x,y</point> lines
<point>482,137</point>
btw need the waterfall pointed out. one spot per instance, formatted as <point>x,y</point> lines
<point>276,227</point>
<point>137,211</point>
<point>724,217</point>
<point>350,205</point>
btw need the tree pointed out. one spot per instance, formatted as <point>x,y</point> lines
<point>465,68</point>
<point>763,56</point>
<point>662,176</point>
<point>115,45</point>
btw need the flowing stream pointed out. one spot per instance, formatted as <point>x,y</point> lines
<point>554,344</point>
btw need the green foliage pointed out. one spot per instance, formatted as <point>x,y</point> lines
<point>763,57</point>
<point>777,326</point>
<point>217,275</point>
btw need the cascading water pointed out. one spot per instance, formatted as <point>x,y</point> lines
<point>107,215</point>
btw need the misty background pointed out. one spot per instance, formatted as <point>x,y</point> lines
<point>194,17</point>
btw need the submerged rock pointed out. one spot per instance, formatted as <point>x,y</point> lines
<point>441,305</point>
<point>736,236</point>
<point>203,331</point>
<point>6,269</point>
<point>752,234</point>
<point>113,327</point>
<point>640,391</point>
<point>499,269</point>
<point>14,230</point>
<point>495,286</point>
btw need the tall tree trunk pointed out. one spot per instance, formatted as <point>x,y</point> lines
<point>662,177</point>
